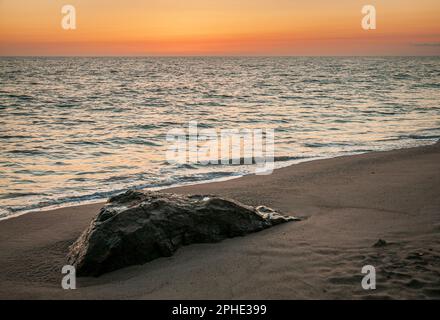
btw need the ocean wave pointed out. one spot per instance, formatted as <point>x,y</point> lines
<point>419,137</point>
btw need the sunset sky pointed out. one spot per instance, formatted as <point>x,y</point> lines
<point>219,27</point>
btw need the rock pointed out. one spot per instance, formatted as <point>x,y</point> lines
<point>380,243</point>
<point>136,227</point>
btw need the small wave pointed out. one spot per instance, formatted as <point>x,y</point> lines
<point>62,201</point>
<point>103,195</point>
<point>78,179</point>
<point>289,158</point>
<point>427,85</point>
<point>402,76</point>
<point>91,172</point>
<point>4,213</point>
<point>68,105</point>
<point>18,195</point>
<point>137,141</point>
<point>85,143</point>
<point>37,173</point>
<point>20,96</point>
<point>6,137</point>
<point>419,137</point>
<point>117,178</point>
<point>358,151</point>
<point>187,166</point>
<point>144,126</point>
<point>101,153</point>
<point>205,176</point>
<point>291,97</point>
<point>322,145</point>
<point>26,152</point>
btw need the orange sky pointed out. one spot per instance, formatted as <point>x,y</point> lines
<point>219,27</point>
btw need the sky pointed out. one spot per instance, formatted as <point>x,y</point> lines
<point>219,27</point>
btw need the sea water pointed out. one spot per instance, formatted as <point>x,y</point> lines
<point>76,130</point>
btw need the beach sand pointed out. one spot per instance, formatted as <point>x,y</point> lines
<point>347,204</point>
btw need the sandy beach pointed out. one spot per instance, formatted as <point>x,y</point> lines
<point>346,204</point>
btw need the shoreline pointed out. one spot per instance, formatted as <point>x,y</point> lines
<point>347,203</point>
<point>102,201</point>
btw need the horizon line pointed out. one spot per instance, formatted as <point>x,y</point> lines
<point>214,56</point>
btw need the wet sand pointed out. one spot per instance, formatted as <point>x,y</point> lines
<point>346,204</point>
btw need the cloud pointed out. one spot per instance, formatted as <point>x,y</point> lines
<point>427,44</point>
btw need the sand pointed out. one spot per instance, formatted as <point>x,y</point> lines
<point>347,204</point>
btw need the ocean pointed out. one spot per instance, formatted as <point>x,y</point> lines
<point>77,130</point>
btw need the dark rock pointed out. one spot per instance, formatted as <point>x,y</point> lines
<point>137,227</point>
<point>380,243</point>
